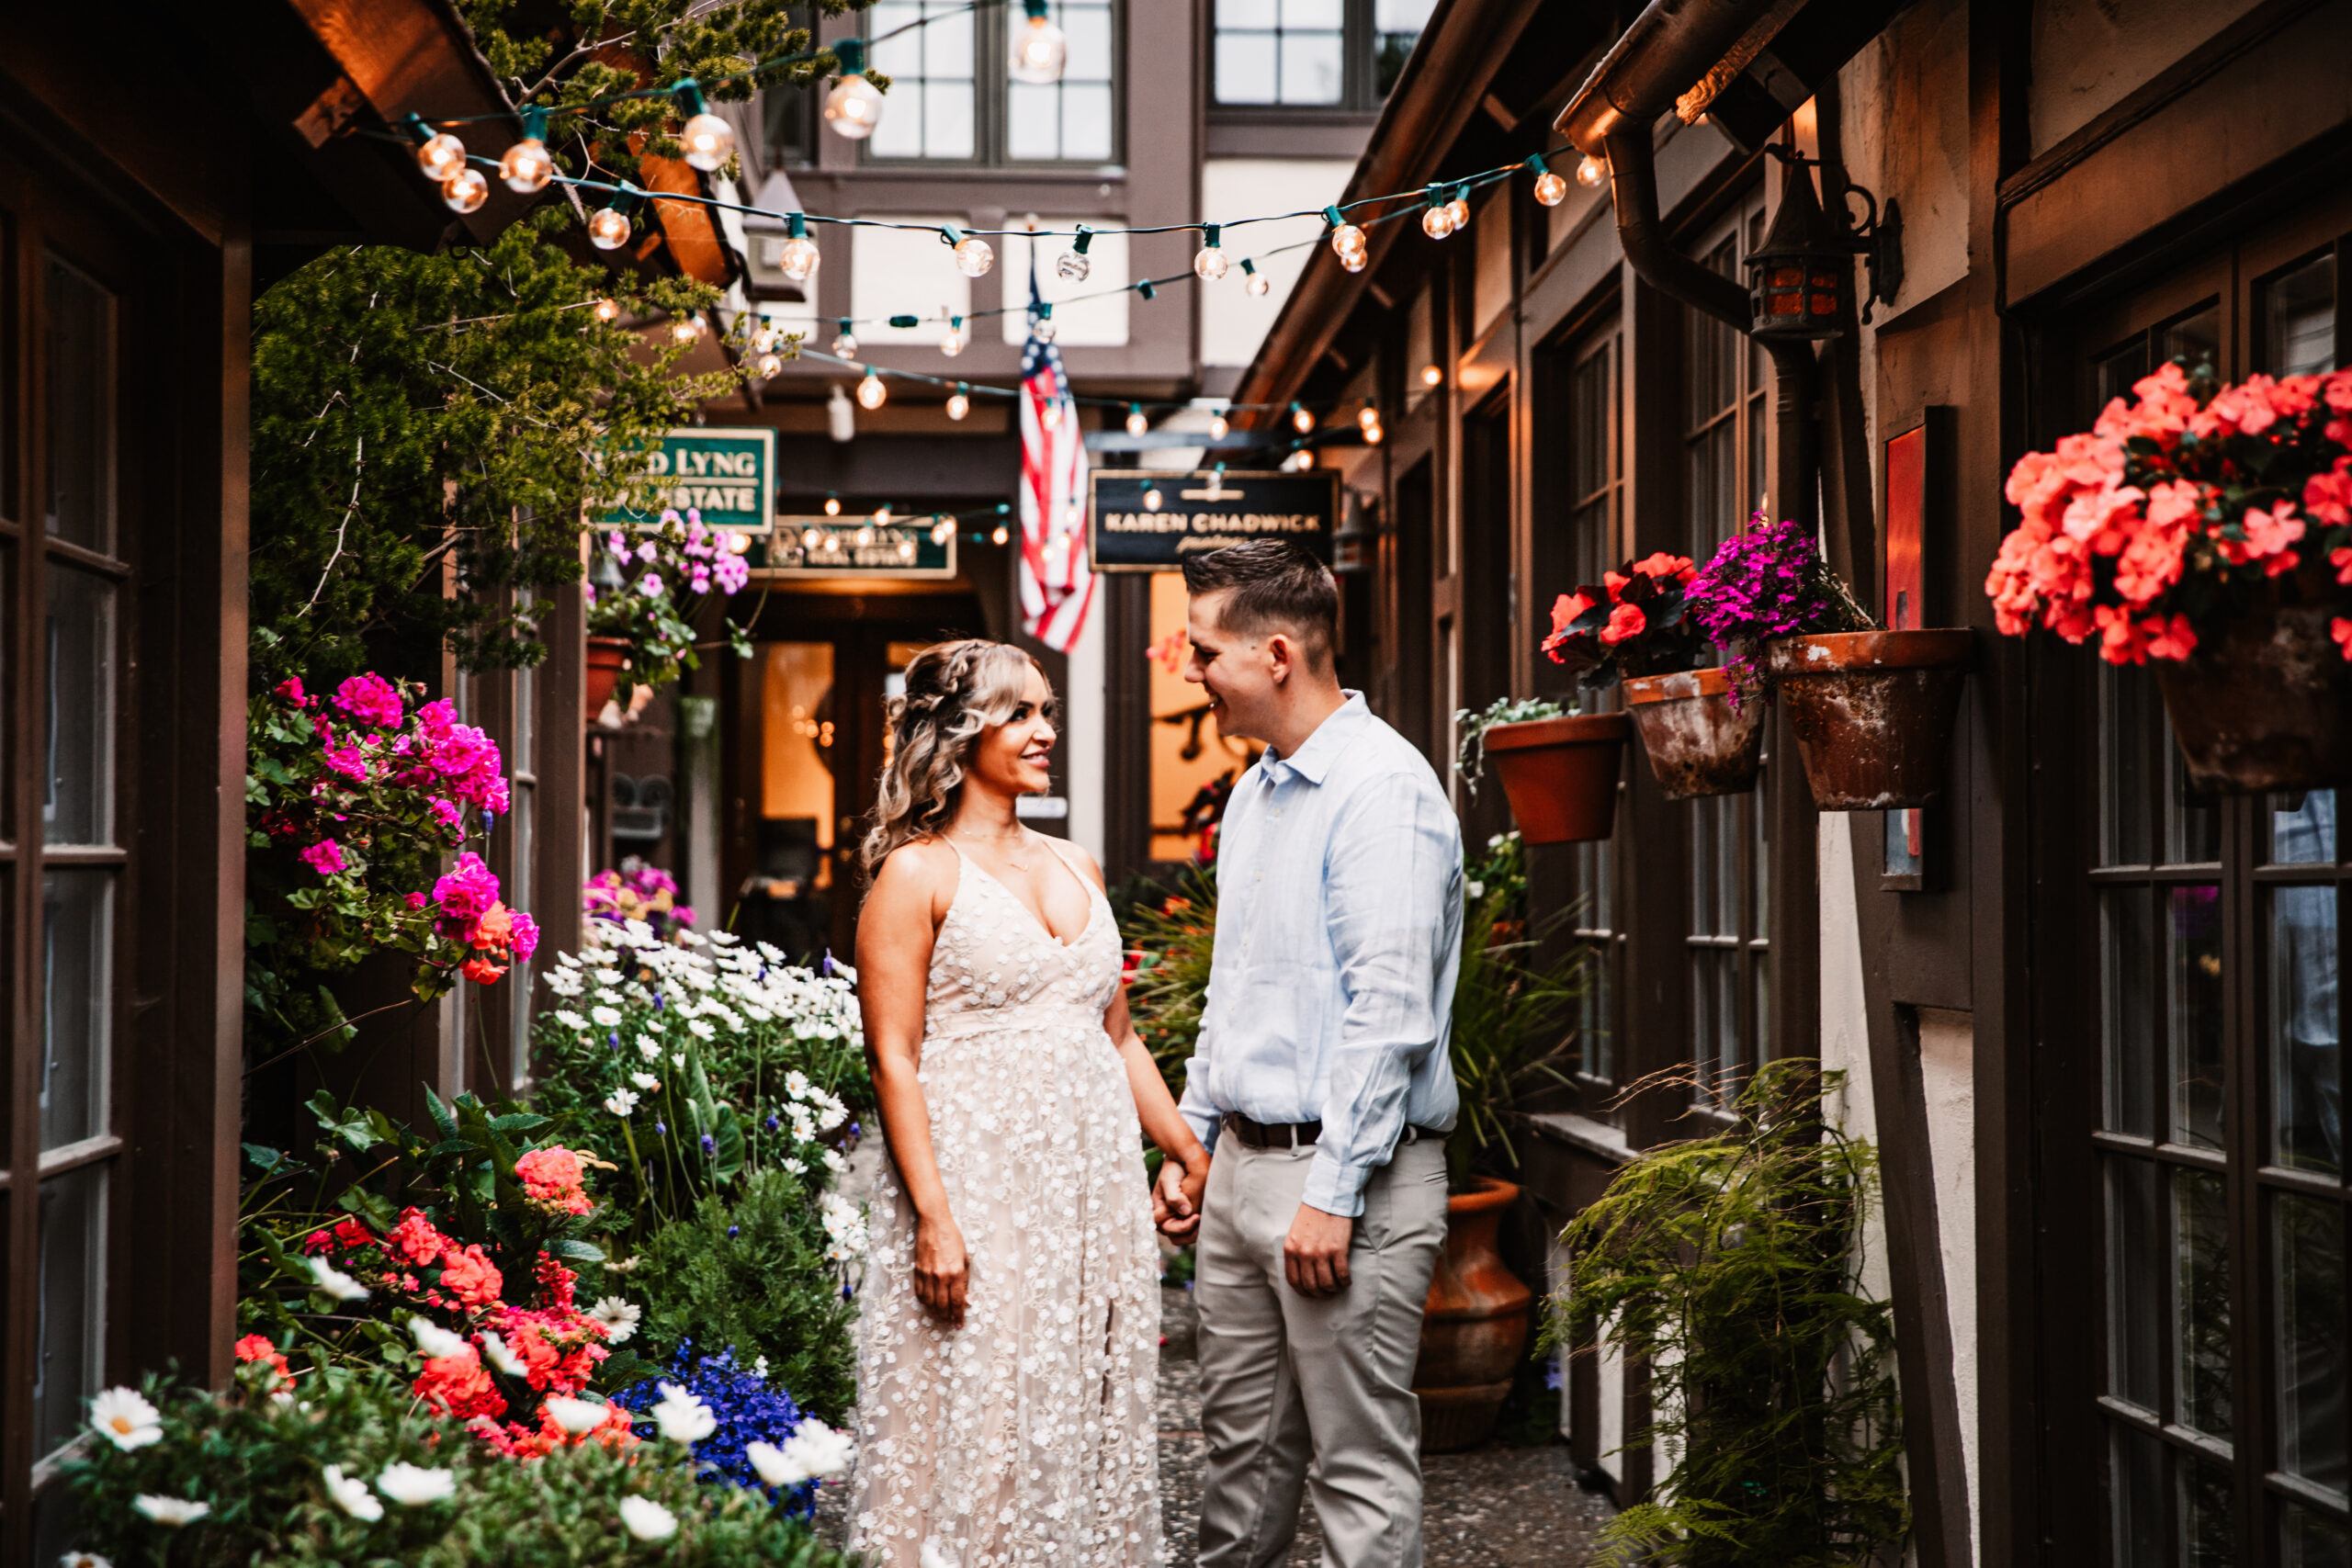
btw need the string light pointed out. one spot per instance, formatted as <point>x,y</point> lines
<point>709,140</point>
<point>1347,240</point>
<point>799,258</point>
<point>1151,498</point>
<point>685,329</point>
<point>870,391</point>
<point>465,191</point>
<point>1000,535</point>
<point>1052,417</point>
<point>527,166</point>
<point>1300,420</point>
<point>1592,173</point>
<point>942,531</point>
<point>959,402</point>
<point>1371,434</point>
<point>1368,416</point>
<point>608,309</point>
<point>865,536</point>
<point>906,549</point>
<point>951,342</point>
<point>1299,462</point>
<point>608,226</point>
<point>1257,282</point>
<point>1550,188</point>
<point>1039,48</point>
<point>771,366</point>
<point>1432,376</point>
<point>1075,263</point>
<point>1208,262</point>
<point>1041,321</point>
<point>854,106</point>
<point>1458,209</point>
<point>973,255</point>
<point>833,506</point>
<point>439,155</point>
<point>1137,423</point>
<point>1437,218</point>
<point>739,544</point>
<point>844,342</point>
<point>882,515</point>
<point>1219,427</point>
<point>808,538</point>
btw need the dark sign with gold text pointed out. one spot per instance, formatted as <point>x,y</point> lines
<point>1150,522</point>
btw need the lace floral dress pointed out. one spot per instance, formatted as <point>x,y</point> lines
<point>1028,1436</point>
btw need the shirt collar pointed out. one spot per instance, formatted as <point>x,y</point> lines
<point>1312,762</point>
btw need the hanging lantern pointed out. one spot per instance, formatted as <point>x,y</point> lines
<point>465,191</point>
<point>870,391</point>
<point>1039,48</point>
<point>1208,262</point>
<point>1137,423</point>
<point>1550,188</point>
<point>1075,263</point>
<point>709,140</point>
<point>1797,277</point>
<point>854,107</point>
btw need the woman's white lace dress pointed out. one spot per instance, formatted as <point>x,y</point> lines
<point>1028,1436</point>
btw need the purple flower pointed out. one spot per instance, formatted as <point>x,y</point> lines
<point>325,857</point>
<point>748,1411</point>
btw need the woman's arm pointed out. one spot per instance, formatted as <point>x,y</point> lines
<point>895,931</point>
<point>1176,1205</point>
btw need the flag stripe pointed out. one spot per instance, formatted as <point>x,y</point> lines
<point>1057,582</point>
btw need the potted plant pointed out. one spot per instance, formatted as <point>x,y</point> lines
<point>2208,528</point>
<point>1635,627</point>
<point>1872,711</point>
<point>648,588</point>
<point>1559,768</point>
<point>1507,1039</point>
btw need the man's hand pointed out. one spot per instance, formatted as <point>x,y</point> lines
<point>1315,1254</point>
<point>1176,1199</point>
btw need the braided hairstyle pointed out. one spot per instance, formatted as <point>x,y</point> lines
<point>953,691</point>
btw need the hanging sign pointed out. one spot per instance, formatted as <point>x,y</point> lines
<point>920,546</point>
<point>1150,522</point>
<point>727,475</point>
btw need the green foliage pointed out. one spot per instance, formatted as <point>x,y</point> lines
<point>1172,936</point>
<point>259,1466</point>
<point>1471,724</point>
<point>1731,1266</point>
<point>752,1275</point>
<point>424,430</point>
<point>1509,1008</point>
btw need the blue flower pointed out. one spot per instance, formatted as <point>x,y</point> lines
<point>614,1039</point>
<point>771,1123</point>
<point>659,1131</point>
<point>731,1231</point>
<point>748,1410</point>
<point>709,1145</point>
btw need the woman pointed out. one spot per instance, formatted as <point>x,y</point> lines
<point>1011,1314</point>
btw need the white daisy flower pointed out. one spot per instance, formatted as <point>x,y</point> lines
<point>577,1416</point>
<point>618,1318</point>
<point>494,1351</point>
<point>335,1285</point>
<point>412,1486</point>
<point>648,1047</point>
<point>645,1081</point>
<point>760,1369</point>
<point>821,1450</point>
<point>647,1520</point>
<point>620,1102</point>
<point>834,1163</point>
<point>351,1494</point>
<point>434,1340</point>
<point>126,1420</point>
<point>172,1511</point>
<point>82,1560</point>
<point>797,1168</point>
<point>700,1029</point>
<point>567,960</point>
<point>608,1017</point>
<point>681,1416</point>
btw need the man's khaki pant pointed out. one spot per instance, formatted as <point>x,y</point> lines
<point>1287,1378</point>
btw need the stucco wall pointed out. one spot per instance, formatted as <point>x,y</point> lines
<point>2089,54</point>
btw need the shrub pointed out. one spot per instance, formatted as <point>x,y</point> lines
<point>1170,939</point>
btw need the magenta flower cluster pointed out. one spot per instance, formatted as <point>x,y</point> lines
<point>701,562</point>
<point>1767,580</point>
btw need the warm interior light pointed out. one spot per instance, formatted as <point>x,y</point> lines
<point>1432,376</point>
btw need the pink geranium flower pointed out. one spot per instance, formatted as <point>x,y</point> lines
<point>467,893</point>
<point>325,857</point>
<point>370,699</point>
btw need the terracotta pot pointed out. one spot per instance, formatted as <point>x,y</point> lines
<point>606,656</point>
<point>1561,774</point>
<point>1872,711</point>
<point>2266,705</point>
<point>1475,1326</point>
<point>1698,744</point>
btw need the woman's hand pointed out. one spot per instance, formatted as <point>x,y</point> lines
<point>942,1270</point>
<point>1176,1197</point>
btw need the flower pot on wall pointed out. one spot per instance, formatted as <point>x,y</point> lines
<point>1561,774</point>
<point>1872,711</point>
<point>2266,705</point>
<point>607,657</point>
<point>1475,1326</point>
<point>1698,743</point>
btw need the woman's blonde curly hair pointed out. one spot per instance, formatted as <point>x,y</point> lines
<point>953,691</point>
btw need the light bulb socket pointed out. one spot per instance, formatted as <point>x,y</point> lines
<point>1249,267</point>
<point>849,57</point>
<point>904,323</point>
<point>1434,196</point>
<point>688,92</point>
<point>1536,166</point>
<point>535,124</point>
<point>1085,238</point>
<point>1209,232</point>
<point>1335,218</point>
<point>843,323</point>
<point>624,200</point>
<point>1144,288</point>
<point>965,388</point>
<point>1045,309</point>
<point>797,223</point>
<point>950,235</point>
<point>1033,9</point>
<point>415,125</point>
<point>955,325</point>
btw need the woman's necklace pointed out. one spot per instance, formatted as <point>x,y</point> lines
<point>1001,840</point>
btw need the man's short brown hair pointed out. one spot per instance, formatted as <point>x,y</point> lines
<point>1272,584</point>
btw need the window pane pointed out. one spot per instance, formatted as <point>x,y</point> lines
<point>2135,1498</point>
<point>947,44</point>
<point>2306,1025</point>
<point>70,1327</point>
<point>2202,1302</point>
<point>1086,121</point>
<point>1297,14</point>
<point>522,754</point>
<point>2192,821</point>
<point>947,130</point>
<point>2117,371</point>
<point>2134,1284</point>
<point>1311,68</point>
<point>80,409</point>
<point>77,807</point>
<point>1245,68</point>
<point>2197,339</point>
<point>2308,1236</point>
<point>2299,320</point>
<point>1231,13</point>
<point>521,821</point>
<point>2206,1534</point>
<point>2127,966</point>
<point>2302,828</point>
<point>1088,28</point>
<point>2309,1540</point>
<point>77,950</point>
<point>2193,934</point>
<point>2127,700</point>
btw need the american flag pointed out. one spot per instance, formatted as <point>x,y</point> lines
<point>1057,582</point>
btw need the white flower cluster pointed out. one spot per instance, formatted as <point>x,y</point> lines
<point>844,1228</point>
<point>718,984</point>
<point>813,1452</point>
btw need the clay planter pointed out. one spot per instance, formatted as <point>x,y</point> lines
<point>1561,774</point>
<point>1698,744</point>
<point>1475,1327</point>
<point>1872,711</point>
<point>2266,705</point>
<point>606,655</point>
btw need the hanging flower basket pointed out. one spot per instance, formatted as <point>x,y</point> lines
<point>1561,774</point>
<point>1872,711</point>
<point>1699,743</point>
<point>607,657</point>
<point>2206,529</point>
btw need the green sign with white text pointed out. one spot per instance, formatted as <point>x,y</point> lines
<point>727,475</point>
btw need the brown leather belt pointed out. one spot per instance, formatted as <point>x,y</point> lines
<point>1296,1134</point>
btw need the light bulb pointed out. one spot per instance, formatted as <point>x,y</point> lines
<point>832,506</point>
<point>1000,535</point>
<point>882,515</point>
<point>1039,50</point>
<point>1593,173</point>
<point>608,309</point>
<point>844,345</point>
<point>808,538</point>
<point>798,259</point>
<point>1042,328</point>
<point>870,391</point>
<point>1259,285</point>
<point>1137,423</point>
<point>1347,240</point>
<point>465,191</point>
<point>1299,462</point>
<point>1367,416</point>
<point>709,140</point>
<point>866,534</point>
<point>771,366</point>
<point>1437,223</point>
<point>1550,188</point>
<point>1073,267</point>
<point>1053,414</point>
<point>951,342</point>
<point>1354,261</point>
<point>739,544</point>
<point>441,156</point>
<point>1432,376</point>
<point>1219,427</point>
<point>854,107</point>
<point>1151,498</point>
<point>1371,434</point>
<point>1209,262</point>
<point>1301,420</point>
<point>973,256</point>
<point>685,329</point>
<point>906,549</point>
<point>942,531</point>
<point>527,166</point>
<point>958,405</point>
<point>1459,210</point>
<point>608,228</point>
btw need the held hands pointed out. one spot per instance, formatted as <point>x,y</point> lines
<point>942,1270</point>
<point>1176,1197</point>
<point>1315,1254</point>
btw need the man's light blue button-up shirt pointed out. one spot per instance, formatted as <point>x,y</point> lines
<point>1338,931</point>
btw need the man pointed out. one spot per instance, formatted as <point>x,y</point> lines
<point>1321,1080</point>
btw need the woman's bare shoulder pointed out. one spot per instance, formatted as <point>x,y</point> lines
<point>917,868</point>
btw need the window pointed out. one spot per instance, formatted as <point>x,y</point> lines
<point>522,844</point>
<point>952,100</point>
<point>1341,54</point>
<point>1595,484</point>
